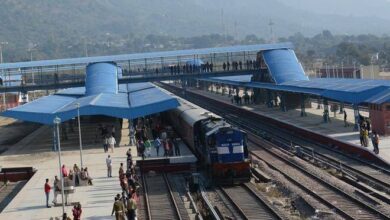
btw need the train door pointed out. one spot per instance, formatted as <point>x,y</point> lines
<point>211,148</point>
<point>245,144</point>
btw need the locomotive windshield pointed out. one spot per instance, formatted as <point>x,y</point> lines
<point>230,145</point>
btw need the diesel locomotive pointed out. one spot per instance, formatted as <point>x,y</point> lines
<point>220,147</point>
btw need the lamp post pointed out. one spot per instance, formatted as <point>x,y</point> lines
<point>2,71</point>
<point>57,122</point>
<point>80,140</point>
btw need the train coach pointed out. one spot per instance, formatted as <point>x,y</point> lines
<point>220,147</point>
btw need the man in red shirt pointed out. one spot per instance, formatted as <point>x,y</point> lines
<point>47,192</point>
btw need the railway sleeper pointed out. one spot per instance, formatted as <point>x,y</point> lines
<point>346,176</point>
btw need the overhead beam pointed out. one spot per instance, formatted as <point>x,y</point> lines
<point>132,79</point>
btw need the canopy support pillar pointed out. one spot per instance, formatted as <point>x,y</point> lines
<point>356,114</point>
<point>269,98</point>
<point>283,102</point>
<point>303,110</point>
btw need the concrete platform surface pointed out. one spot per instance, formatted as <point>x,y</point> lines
<point>313,121</point>
<point>96,200</point>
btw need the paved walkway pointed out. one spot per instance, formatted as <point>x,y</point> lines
<point>313,121</point>
<point>96,200</point>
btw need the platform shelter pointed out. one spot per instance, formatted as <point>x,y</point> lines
<point>281,78</point>
<point>102,95</point>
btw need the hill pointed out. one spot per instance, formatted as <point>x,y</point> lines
<point>66,22</point>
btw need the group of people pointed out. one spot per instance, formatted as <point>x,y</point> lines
<point>125,203</point>
<point>248,99</point>
<point>71,178</point>
<point>107,134</point>
<point>249,64</point>
<point>199,67</point>
<point>149,135</point>
<point>191,68</point>
<point>365,135</point>
<point>77,174</point>
<point>76,212</point>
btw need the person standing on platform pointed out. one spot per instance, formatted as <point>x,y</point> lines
<point>365,137</point>
<point>361,131</point>
<point>119,209</point>
<point>148,147</point>
<point>129,160</point>
<point>132,135</point>
<point>111,143</point>
<point>166,148</point>
<point>76,211</point>
<point>170,147</point>
<point>157,145</point>
<point>64,171</point>
<point>105,144</point>
<point>109,166</point>
<point>176,145</point>
<point>345,119</point>
<point>375,141</point>
<point>128,152</point>
<point>131,208</point>
<point>47,189</point>
<point>142,150</point>
<point>121,171</point>
<point>57,189</point>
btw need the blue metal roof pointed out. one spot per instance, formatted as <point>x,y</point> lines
<point>380,98</point>
<point>132,104</point>
<point>100,97</point>
<point>353,91</point>
<point>347,85</point>
<point>260,85</point>
<point>284,66</point>
<point>140,56</point>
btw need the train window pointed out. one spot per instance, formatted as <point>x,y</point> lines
<point>229,132</point>
<point>387,107</point>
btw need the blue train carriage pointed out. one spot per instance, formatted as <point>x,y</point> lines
<point>221,149</point>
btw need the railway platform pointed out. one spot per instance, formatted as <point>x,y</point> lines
<point>96,200</point>
<point>152,162</point>
<point>313,122</point>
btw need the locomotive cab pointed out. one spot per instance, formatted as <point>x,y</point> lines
<point>228,155</point>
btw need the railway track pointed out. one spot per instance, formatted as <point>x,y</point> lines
<point>248,204</point>
<point>379,179</point>
<point>335,198</point>
<point>159,199</point>
<point>346,205</point>
<point>375,176</point>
